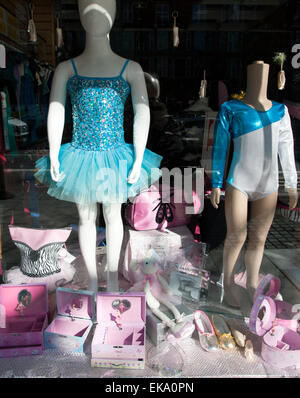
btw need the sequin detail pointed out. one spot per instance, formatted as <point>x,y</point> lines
<point>98,112</point>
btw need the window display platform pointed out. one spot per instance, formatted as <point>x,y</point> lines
<point>278,260</point>
<point>196,362</point>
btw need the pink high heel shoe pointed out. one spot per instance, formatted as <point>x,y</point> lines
<point>206,333</point>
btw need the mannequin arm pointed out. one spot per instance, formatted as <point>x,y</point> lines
<point>287,158</point>
<point>293,198</point>
<point>56,115</point>
<point>141,124</point>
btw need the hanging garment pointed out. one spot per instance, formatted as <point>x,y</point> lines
<point>258,136</point>
<point>96,164</point>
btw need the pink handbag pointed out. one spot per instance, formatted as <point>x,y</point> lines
<point>151,209</point>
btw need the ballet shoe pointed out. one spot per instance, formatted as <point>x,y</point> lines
<point>207,337</point>
<point>239,336</point>
<point>225,339</point>
<point>249,350</point>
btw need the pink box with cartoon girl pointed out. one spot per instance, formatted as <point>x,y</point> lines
<point>119,337</point>
<point>23,318</point>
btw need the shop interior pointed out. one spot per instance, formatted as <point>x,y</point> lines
<point>189,73</point>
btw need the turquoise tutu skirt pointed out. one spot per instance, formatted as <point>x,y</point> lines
<point>98,176</point>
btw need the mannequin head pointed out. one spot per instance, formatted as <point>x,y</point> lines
<point>258,67</point>
<point>97,16</point>
<point>257,81</point>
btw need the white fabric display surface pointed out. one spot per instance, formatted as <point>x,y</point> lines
<point>197,363</point>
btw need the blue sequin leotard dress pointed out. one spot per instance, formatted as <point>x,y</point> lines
<point>95,165</point>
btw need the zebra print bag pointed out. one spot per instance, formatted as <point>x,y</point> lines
<point>40,249</point>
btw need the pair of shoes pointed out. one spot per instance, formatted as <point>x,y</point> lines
<point>224,336</point>
<point>206,333</point>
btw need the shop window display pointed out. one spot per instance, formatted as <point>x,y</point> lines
<point>213,293</point>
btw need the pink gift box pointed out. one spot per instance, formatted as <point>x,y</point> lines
<point>69,330</point>
<point>119,337</point>
<point>23,318</point>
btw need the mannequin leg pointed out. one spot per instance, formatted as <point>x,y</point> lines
<point>87,235</point>
<point>261,217</point>
<point>114,239</point>
<point>236,208</point>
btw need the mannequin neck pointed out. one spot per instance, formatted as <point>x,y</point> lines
<point>97,47</point>
<point>257,83</point>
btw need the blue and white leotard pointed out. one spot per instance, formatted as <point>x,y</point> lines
<point>259,137</point>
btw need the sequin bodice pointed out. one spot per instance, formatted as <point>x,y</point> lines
<point>98,111</point>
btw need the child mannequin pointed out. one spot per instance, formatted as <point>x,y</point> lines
<point>82,77</point>
<point>271,125</point>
